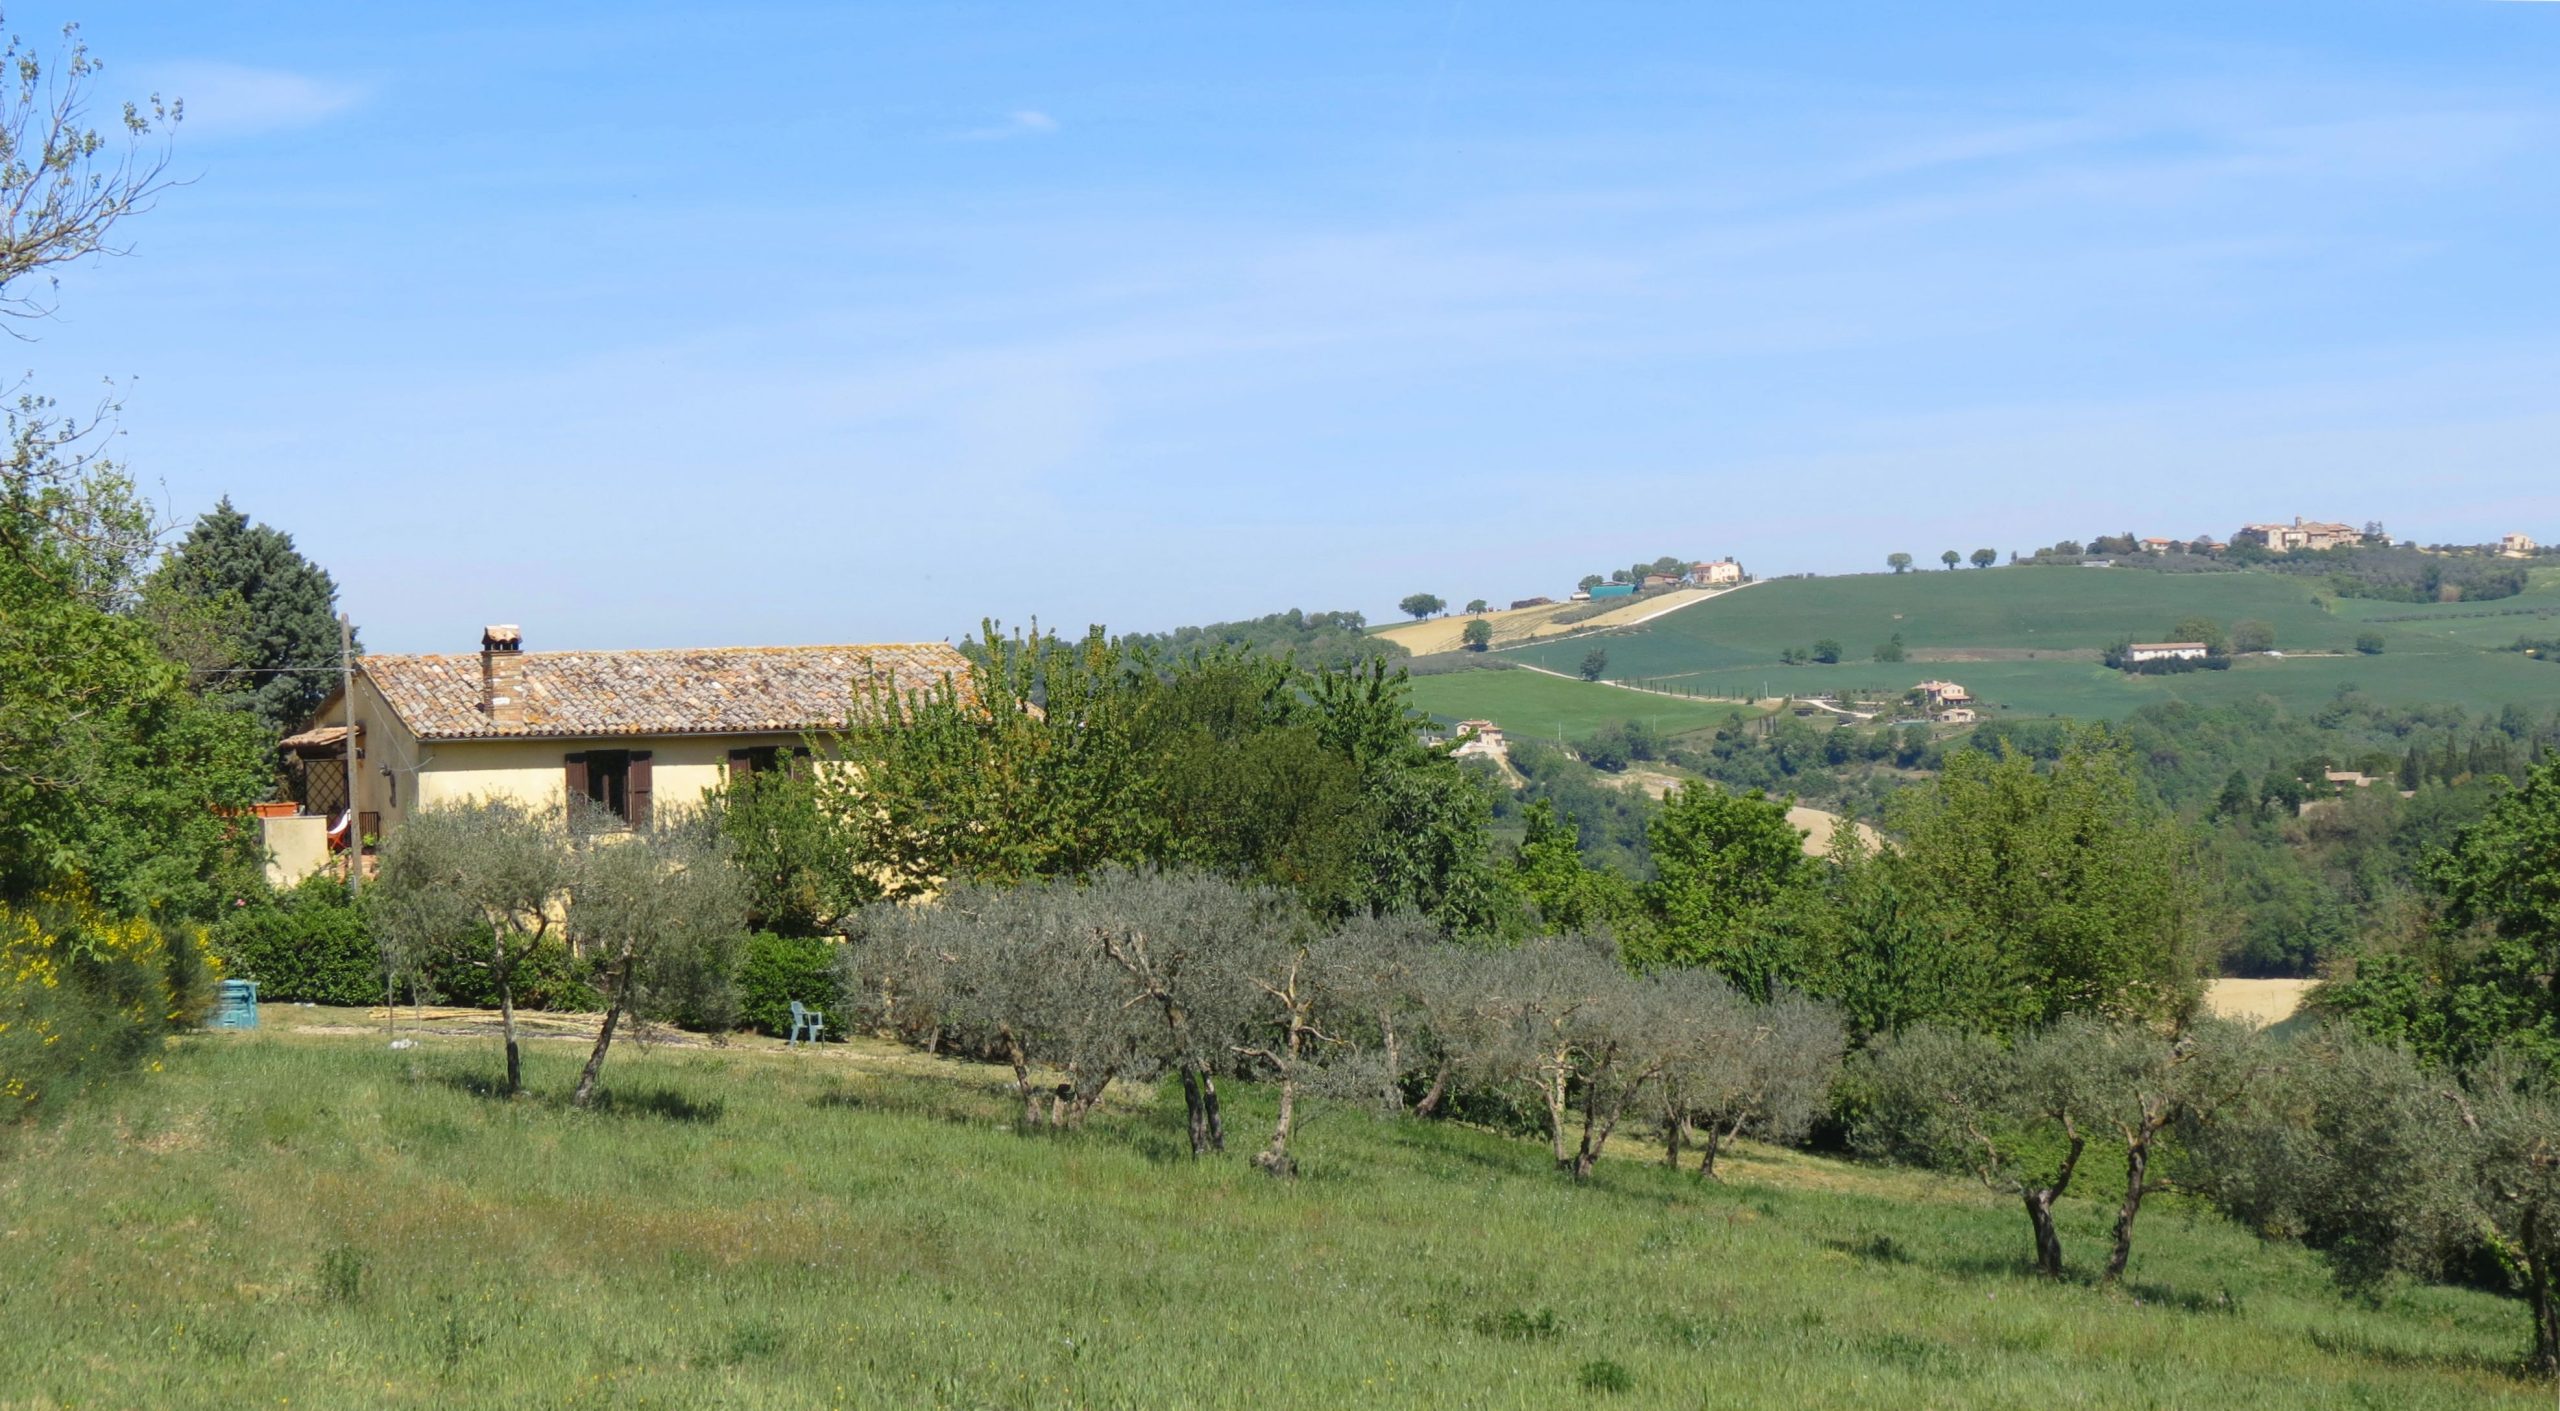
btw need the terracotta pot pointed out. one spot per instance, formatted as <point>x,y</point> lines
<point>285,808</point>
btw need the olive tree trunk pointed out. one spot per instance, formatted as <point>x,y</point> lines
<point>2039,1201</point>
<point>2137,1175</point>
<point>2541,1275</point>
<point>1718,1137</point>
<point>1439,1091</point>
<point>504,974</point>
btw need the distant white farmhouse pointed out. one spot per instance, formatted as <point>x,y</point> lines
<point>1487,739</point>
<point>2167,651</point>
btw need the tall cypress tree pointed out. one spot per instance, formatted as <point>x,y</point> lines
<point>275,611</point>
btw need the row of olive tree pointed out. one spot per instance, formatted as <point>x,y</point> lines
<point>1135,974</point>
<point>2386,1164</point>
<point>2355,1148</point>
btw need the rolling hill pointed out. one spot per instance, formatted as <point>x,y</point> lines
<point>2026,641</point>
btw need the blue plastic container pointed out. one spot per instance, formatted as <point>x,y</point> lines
<point>235,1005</point>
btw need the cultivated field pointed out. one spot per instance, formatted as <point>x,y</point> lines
<point>1516,626</point>
<point>2041,624</point>
<point>308,1220</point>
<point>1534,705</point>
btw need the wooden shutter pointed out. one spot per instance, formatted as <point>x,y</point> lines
<point>638,785</point>
<point>742,763</point>
<point>576,768</point>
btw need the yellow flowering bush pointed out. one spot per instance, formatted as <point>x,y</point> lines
<point>85,995</point>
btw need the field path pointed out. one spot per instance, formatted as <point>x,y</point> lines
<point>1623,686</point>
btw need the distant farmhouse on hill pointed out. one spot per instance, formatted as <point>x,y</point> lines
<point>2301,536</point>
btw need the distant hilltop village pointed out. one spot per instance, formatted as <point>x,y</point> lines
<point>2278,539</point>
<point>1658,575</point>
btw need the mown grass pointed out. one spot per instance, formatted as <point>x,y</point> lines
<point>1730,646</point>
<point>313,1221</point>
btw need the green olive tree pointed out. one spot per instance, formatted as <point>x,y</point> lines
<point>482,884</point>
<point>660,911</point>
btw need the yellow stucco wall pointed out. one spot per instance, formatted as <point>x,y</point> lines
<point>296,847</point>
<point>533,772</point>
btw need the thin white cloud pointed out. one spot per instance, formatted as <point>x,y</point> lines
<point>1023,122</point>
<point>236,100</point>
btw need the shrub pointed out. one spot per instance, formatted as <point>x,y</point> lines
<point>2369,643</point>
<point>311,945</point>
<point>85,996</point>
<point>775,970</point>
<point>547,978</point>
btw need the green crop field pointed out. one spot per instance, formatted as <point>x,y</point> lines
<point>1533,704</point>
<point>2024,640</point>
<point>307,1220</point>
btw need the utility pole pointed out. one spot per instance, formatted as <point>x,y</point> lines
<point>347,690</point>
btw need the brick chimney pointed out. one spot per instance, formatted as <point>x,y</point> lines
<point>502,675</point>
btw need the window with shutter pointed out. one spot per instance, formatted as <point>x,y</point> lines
<point>599,786</point>
<point>636,789</point>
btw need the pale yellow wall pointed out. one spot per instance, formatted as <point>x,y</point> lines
<point>532,772</point>
<point>296,847</point>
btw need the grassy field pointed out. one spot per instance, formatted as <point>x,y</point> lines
<point>2024,639</point>
<point>285,1219</point>
<point>1534,705</point>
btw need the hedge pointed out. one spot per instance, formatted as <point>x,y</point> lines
<point>775,970</point>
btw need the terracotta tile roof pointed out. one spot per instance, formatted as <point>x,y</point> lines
<point>691,691</point>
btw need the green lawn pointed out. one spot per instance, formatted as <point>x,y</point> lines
<point>1532,704</point>
<point>1731,645</point>
<point>310,1220</point>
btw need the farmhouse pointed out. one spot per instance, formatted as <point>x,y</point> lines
<point>2301,536</point>
<point>608,731</point>
<point>2167,651</point>
<point>2161,546</point>
<point>1486,741</point>
<point>2516,546</point>
<point>1722,573</point>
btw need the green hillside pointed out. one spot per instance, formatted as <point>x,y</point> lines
<point>2025,640</point>
<point>307,1220</point>
<point>1534,704</point>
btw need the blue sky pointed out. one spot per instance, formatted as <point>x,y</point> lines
<point>646,325</point>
